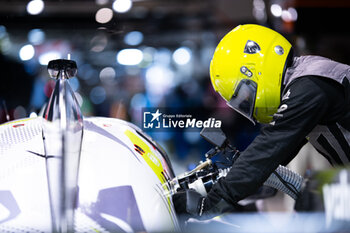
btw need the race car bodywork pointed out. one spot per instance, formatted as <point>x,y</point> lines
<point>95,174</point>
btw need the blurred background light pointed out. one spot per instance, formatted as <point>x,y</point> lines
<point>132,70</point>
<point>286,16</point>
<point>99,43</point>
<point>2,31</point>
<point>129,56</point>
<point>162,56</point>
<point>276,10</point>
<point>74,83</point>
<point>259,5</point>
<point>122,6</point>
<point>5,45</point>
<point>148,54</point>
<point>97,95</point>
<point>107,75</point>
<point>138,101</point>
<point>293,13</point>
<point>182,55</point>
<point>159,79</point>
<point>101,2</point>
<point>85,71</point>
<point>88,74</point>
<point>104,15</point>
<point>35,7</point>
<point>27,52</point>
<point>36,36</point>
<point>259,10</point>
<point>133,38</point>
<point>192,137</point>
<point>48,56</point>
<point>20,112</point>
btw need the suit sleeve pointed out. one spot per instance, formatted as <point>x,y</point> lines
<point>302,106</point>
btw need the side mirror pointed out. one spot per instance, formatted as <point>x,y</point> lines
<point>215,136</point>
<point>68,67</point>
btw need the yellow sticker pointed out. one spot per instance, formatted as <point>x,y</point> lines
<point>147,154</point>
<point>151,159</point>
<point>17,121</point>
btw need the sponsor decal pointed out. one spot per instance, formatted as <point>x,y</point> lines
<point>139,149</point>
<point>17,125</point>
<point>337,200</point>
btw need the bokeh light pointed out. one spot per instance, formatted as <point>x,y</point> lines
<point>162,56</point>
<point>101,2</point>
<point>133,38</point>
<point>129,56</point>
<point>159,79</point>
<point>259,10</point>
<point>97,95</point>
<point>74,83</point>
<point>20,112</point>
<point>104,15</point>
<point>2,31</point>
<point>182,55</point>
<point>276,10</point>
<point>99,43</point>
<point>27,52</point>
<point>293,12</point>
<point>107,75</point>
<point>48,56</point>
<point>36,36</point>
<point>35,7</point>
<point>122,6</point>
<point>138,101</point>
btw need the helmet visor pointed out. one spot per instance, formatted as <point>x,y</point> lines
<point>243,99</point>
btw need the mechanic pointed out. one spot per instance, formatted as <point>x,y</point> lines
<point>299,99</point>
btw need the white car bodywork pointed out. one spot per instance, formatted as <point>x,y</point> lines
<point>122,180</point>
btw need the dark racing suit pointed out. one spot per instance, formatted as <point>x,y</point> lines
<point>315,107</point>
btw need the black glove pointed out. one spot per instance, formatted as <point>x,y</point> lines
<point>189,202</point>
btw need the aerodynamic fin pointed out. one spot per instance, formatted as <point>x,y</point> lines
<point>62,136</point>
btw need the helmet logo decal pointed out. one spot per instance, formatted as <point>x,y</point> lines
<point>279,50</point>
<point>251,47</point>
<point>246,71</point>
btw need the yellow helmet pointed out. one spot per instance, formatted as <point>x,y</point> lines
<point>247,69</point>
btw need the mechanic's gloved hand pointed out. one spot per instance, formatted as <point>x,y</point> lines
<point>189,202</point>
